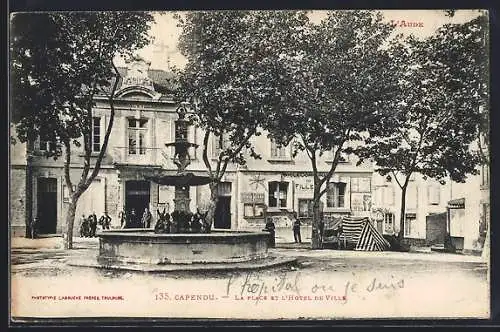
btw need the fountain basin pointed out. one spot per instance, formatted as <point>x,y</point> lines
<point>143,246</point>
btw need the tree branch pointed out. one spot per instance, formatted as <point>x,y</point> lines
<point>104,146</point>
<point>322,192</point>
<point>243,143</point>
<point>205,152</point>
<point>236,151</point>
<point>67,177</point>
<point>87,132</point>
<point>335,158</point>
<point>87,137</point>
<point>311,153</point>
<point>396,178</point>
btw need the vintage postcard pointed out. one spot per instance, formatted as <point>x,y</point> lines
<point>255,165</point>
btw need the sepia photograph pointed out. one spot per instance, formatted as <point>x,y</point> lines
<point>249,164</point>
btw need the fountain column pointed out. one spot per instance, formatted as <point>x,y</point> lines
<point>181,159</point>
<point>181,200</point>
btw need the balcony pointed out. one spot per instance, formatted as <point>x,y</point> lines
<point>139,156</point>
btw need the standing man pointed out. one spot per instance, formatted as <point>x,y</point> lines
<point>84,226</point>
<point>296,229</point>
<point>146,218</point>
<point>93,224</point>
<point>105,220</point>
<point>123,219</point>
<point>34,228</point>
<point>270,227</point>
<point>132,220</point>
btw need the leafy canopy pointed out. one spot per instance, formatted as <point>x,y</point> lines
<point>443,82</point>
<point>230,76</point>
<point>338,84</point>
<point>59,61</point>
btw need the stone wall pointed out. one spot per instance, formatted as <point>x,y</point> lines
<point>415,242</point>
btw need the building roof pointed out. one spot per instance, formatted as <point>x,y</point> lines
<point>163,81</point>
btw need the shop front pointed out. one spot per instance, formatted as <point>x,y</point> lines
<point>289,195</point>
<point>456,222</point>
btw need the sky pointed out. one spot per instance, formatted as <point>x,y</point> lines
<point>163,52</point>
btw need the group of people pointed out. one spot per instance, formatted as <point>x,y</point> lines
<point>270,227</point>
<point>88,225</point>
<point>181,222</point>
<point>133,220</point>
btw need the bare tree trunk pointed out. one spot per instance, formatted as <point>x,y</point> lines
<point>212,204</point>
<point>85,180</point>
<point>70,221</point>
<point>315,236</point>
<point>402,213</point>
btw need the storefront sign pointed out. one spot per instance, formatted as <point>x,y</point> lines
<point>306,185</point>
<point>250,197</point>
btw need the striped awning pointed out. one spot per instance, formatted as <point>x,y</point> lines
<point>458,203</point>
<point>361,233</point>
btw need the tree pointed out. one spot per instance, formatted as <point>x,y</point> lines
<point>227,80</point>
<point>32,44</point>
<point>339,85</point>
<point>443,85</point>
<point>468,62</point>
<point>60,63</point>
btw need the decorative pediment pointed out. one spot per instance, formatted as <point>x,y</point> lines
<point>136,83</point>
<point>137,92</point>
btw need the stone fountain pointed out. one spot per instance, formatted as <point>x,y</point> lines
<point>180,246</point>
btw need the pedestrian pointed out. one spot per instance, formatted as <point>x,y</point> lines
<point>132,220</point>
<point>270,227</point>
<point>296,229</point>
<point>146,218</point>
<point>205,224</point>
<point>321,227</point>
<point>93,224</point>
<point>197,222</point>
<point>123,219</point>
<point>105,220</point>
<point>34,228</point>
<point>168,222</point>
<point>84,226</point>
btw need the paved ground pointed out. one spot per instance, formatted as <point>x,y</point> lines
<point>323,284</point>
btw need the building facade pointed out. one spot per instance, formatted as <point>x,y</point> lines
<point>423,198</point>
<point>460,209</point>
<point>276,186</point>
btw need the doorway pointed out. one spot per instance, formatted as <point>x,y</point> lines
<point>223,213</point>
<point>223,207</point>
<point>47,205</point>
<point>137,196</point>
